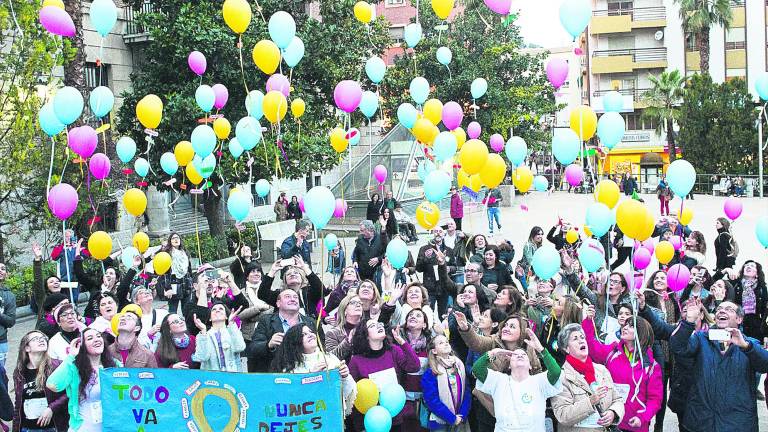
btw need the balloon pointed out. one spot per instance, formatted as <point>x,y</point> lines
<point>427,215</point>
<point>141,166</point>
<point>275,106</point>
<point>732,208</point>
<point>392,397</point>
<point>540,183</point>
<point>647,245</point>
<point>99,166</point>
<point>99,245</point>
<point>103,15</point>
<point>437,185</point>
<point>193,175</point>
<point>49,123</point>
<point>140,241</point>
<point>330,241</point>
<point>686,216</point>
<point>135,201</point>
<point>369,104</point>
<point>183,152</point>
<point>676,241</point>
<point>607,192</point>
<point>282,28</point>
<point>591,255</point>
<point>641,259</point>
<point>149,111</point>
<point>294,52</point>
<point>347,95</point>
<point>168,163</point>
<point>397,253</point>
<point>426,166</point>
<point>197,62</point>
<point>664,252</point>
<point>57,3</point>
<point>319,205</point>
<point>613,101</point>
<point>238,205</point>
<point>583,121</point>
<point>473,156</point>
<point>126,257</point>
<point>565,145</point>
<point>204,165</point>
<point>501,7</point>
<point>419,89</point>
<point>433,111</point>
<point>62,200</point>
<point>203,140</point>
<point>377,419</point>
<point>575,15</point>
<point>557,71</point>
<point>56,21</point>
<point>546,262</point>
<point>237,15</point>
<point>574,174</point>
<point>444,56</point>
<point>442,9</point>
<point>280,83</point>
<point>101,101</point>
<point>161,263</point>
<point>222,128</point>
<point>248,132</point>
<point>422,130</point>
<point>375,69</point>
<point>364,13</point>
<point>222,95</point>
<point>681,176</point>
<point>474,130</point>
<point>630,215</point>
<point>205,97</point>
<point>479,87</point>
<point>496,142</point>
<point>516,150</point>
<point>262,188</point>
<point>475,182</point>
<point>339,141</point>
<point>461,137</point>
<point>761,231</point>
<point>340,209</point>
<point>352,136</point>
<point>599,218</point>
<point>266,56</point>
<point>761,85</point>
<point>253,104</point>
<point>522,178</point>
<point>235,148</point>
<point>572,236</point>
<point>407,115</point>
<point>677,277</point>
<point>126,149</point>
<point>298,107</point>
<point>444,146</point>
<point>610,129</point>
<point>380,173</point>
<point>68,104</point>
<point>83,140</point>
<point>412,34</point>
<point>452,115</point>
<point>494,170</point>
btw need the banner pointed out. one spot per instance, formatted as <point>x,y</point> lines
<point>172,400</point>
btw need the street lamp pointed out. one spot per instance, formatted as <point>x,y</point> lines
<point>760,147</point>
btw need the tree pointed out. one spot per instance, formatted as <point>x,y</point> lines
<point>336,48</point>
<point>663,99</point>
<point>717,126</point>
<point>74,69</point>
<point>698,17</point>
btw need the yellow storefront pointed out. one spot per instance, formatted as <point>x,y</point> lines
<point>645,163</point>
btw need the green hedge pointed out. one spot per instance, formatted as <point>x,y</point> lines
<point>216,248</point>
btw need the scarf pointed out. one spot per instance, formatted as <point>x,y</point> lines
<point>586,368</point>
<point>419,344</point>
<point>181,342</point>
<point>450,395</point>
<point>179,263</point>
<point>749,296</point>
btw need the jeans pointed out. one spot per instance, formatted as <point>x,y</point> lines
<point>664,204</point>
<point>3,352</point>
<point>173,305</point>
<point>493,214</point>
<point>50,429</point>
<point>441,300</point>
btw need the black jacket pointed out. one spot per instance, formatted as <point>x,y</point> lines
<point>267,326</point>
<point>559,239</point>
<point>364,251</point>
<point>204,312</point>
<point>724,251</point>
<point>93,287</point>
<point>426,264</point>
<point>309,296</point>
<point>374,210</point>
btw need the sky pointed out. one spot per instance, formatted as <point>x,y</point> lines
<point>540,24</point>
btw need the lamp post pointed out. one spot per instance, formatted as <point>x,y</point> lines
<point>760,147</point>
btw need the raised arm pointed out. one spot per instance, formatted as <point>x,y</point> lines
<point>597,350</point>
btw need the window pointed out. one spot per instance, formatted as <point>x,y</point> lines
<point>634,122</point>
<point>690,42</point>
<point>96,76</point>
<point>619,8</point>
<point>734,38</point>
<point>735,73</point>
<point>318,182</point>
<point>397,33</point>
<point>394,3</point>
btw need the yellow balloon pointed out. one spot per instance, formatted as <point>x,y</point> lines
<point>462,179</point>
<point>339,140</point>
<point>571,236</point>
<point>161,263</point>
<point>645,230</point>
<point>100,245</point>
<point>275,106</point>
<point>433,134</point>
<point>222,128</point>
<point>427,215</point>
<point>237,15</point>
<point>461,137</point>
<point>664,252</point>
<point>193,175</point>
<point>584,122</point>
<point>475,182</point>
<point>522,178</point>
<point>422,130</point>
<point>493,171</point>
<point>433,111</point>
<point>367,395</point>
<point>266,55</point>
<point>686,216</point>
<point>298,107</point>
<point>363,12</point>
<point>184,153</point>
<point>607,192</point>
<point>141,241</point>
<point>57,3</point>
<point>442,8</point>
<point>630,217</point>
<point>135,201</point>
<point>149,111</point>
<point>472,156</point>
<point>587,231</point>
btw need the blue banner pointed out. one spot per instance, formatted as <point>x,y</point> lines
<point>171,400</point>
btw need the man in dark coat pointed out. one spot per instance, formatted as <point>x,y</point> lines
<point>369,251</point>
<point>430,256</point>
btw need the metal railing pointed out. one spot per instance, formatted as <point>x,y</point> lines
<point>132,26</point>
<point>638,54</point>
<point>709,184</point>
<point>636,93</point>
<point>735,45</point>
<point>637,14</point>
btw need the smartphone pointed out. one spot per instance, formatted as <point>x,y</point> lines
<point>287,262</point>
<point>212,274</point>
<point>719,335</point>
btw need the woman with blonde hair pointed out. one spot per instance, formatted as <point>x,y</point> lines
<point>510,336</point>
<point>446,391</point>
<point>338,339</point>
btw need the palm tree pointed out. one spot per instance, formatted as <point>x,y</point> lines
<point>663,99</point>
<point>698,16</point>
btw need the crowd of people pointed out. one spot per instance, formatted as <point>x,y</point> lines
<point>476,339</point>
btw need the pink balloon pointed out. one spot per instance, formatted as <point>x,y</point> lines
<point>280,83</point>
<point>341,208</point>
<point>474,130</point>
<point>57,21</point>
<point>574,174</point>
<point>347,95</point>
<point>301,204</point>
<point>497,142</point>
<point>197,62</point>
<point>647,244</point>
<point>634,280</point>
<point>222,95</point>
<point>641,258</point>
<point>677,242</point>
<point>499,6</point>
<point>83,140</point>
<point>733,208</point>
<point>557,72</point>
<point>99,166</point>
<point>62,200</point>
<point>380,173</point>
<point>678,277</point>
<point>452,115</point>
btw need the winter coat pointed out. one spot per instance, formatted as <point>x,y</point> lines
<point>337,343</point>
<point>374,210</point>
<point>207,351</point>
<point>281,210</point>
<point>429,386</point>
<point>138,356</point>
<point>425,265</point>
<point>724,251</point>
<point>294,211</point>
<point>457,206</point>
<point>365,250</point>
<point>754,324</point>
<point>7,312</point>
<point>258,350</point>
<point>289,249</point>
<point>572,405</point>
<point>57,402</point>
<point>251,314</point>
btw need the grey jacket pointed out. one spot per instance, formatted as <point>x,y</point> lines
<point>7,312</point>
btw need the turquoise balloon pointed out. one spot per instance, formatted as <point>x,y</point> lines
<point>516,150</point>
<point>282,29</point>
<point>375,68</point>
<point>141,166</point>
<point>613,101</point>
<point>103,16</point>
<point>444,56</point>
<point>419,89</point>
<point>565,146</point>
<point>235,149</point>
<point>253,104</point>
<point>610,129</point>
<point>262,188</point>
<point>168,163</point>
<point>203,140</point>
<point>761,85</point>
<point>68,105</point>
<point>239,205</point>
<point>126,257</point>
<point>101,101</point>
<point>369,104</point>
<point>205,97</point>
<point>478,88</point>
<point>680,177</point>
<point>436,186</point>
<point>599,219</point>
<point>761,231</point>
<point>331,241</point>
<point>591,255</point>
<point>248,132</point>
<point>397,253</point>
<point>319,204</point>
<point>546,262</point>
<point>126,149</point>
<point>407,115</point>
<point>445,146</point>
<point>204,165</point>
<point>392,397</point>
<point>540,183</point>
<point>426,166</point>
<point>294,52</point>
<point>49,123</point>
<point>353,136</point>
<point>575,15</point>
<point>412,34</point>
<point>377,419</point>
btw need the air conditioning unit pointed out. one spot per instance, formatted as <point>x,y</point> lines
<point>659,35</point>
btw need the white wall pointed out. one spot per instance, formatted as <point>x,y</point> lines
<point>755,42</point>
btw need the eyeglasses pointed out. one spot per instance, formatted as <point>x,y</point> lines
<point>34,339</point>
<point>518,356</point>
<point>471,271</point>
<point>615,281</point>
<point>67,315</point>
<point>355,303</point>
<point>726,309</point>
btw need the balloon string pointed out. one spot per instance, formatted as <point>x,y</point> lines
<point>368,30</point>
<point>50,168</point>
<point>66,159</point>
<point>242,68</point>
<point>197,235</point>
<point>66,260</point>
<point>450,78</point>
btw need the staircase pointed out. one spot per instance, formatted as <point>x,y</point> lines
<point>182,218</point>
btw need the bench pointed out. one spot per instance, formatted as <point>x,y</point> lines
<point>719,188</point>
<point>271,237</point>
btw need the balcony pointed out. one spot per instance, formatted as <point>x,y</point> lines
<point>632,99</point>
<point>134,31</point>
<point>627,60</point>
<point>625,20</point>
